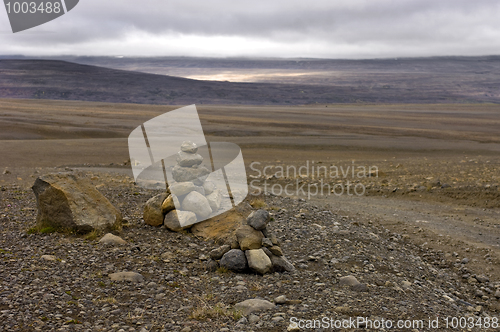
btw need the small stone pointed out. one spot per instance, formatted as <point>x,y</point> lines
<point>212,265</point>
<point>253,319</point>
<point>405,284</point>
<point>280,299</point>
<point>186,159</point>
<point>217,253</point>
<point>49,257</point>
<point>197,203</point>
<point>126,276</point>
<point>342,310</point>
<point>209,187</point>
<point>360,288</point>
<point>188,146</point>
<point>293,327</point>
<point>242,321</point>
<point>281,264</point>
<point>182,188</point>
<point>214,200</point>
<point>240,288</point>
<point>275,250</point>
<point>472,281</point>
<point>267,242</point>
<point>258,261</point>
<point>111,239</point>
<point>234,260</point>
<point>465,261</point>
<point>268,253</point>
<point>253,305</point>
<point>169,204</point>
<point>197,175</point>
<point>153,214</point>
<point>482,279</point>
<point>258,219</point>
<point>348,281</point>
<point>249,238</point>
<point>177,220</point>
<point>497,294</point>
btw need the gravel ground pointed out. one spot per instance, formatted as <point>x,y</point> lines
<point>73,291</point>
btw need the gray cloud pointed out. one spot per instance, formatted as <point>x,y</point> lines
<point>321,28</point>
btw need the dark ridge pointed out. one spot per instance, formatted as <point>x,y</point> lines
<point>62,80</point>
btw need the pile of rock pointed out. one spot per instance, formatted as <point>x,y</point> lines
<point>191,198</point>
<point>254,249</point>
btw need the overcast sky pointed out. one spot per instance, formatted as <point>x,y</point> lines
<point>289,28</point>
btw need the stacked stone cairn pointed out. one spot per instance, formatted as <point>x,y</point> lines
<point>255,249</point>
<point>197,197</point>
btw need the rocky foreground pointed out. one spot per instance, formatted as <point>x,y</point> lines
<point>158,280</point>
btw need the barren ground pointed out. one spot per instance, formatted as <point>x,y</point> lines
<point>439,165</point>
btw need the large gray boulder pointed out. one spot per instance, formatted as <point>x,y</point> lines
<point>197,203</point>
<point>234,260</point>
<point>258,261</point>
<point>68,202</point>
<point>153,211</point>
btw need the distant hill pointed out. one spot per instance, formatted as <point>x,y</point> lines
<point>431,80</point>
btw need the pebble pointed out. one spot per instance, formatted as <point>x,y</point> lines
<point>253,305</point>
<point>348,281</point>
<point>280,299</point>
<point>111,239</point>
<point>253,319</point>
<point>126,276</point>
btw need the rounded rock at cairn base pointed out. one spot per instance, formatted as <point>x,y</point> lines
<point>153,214</point>
<point>197,203</point>
<point>177,220</point>
<point>234,260</point>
